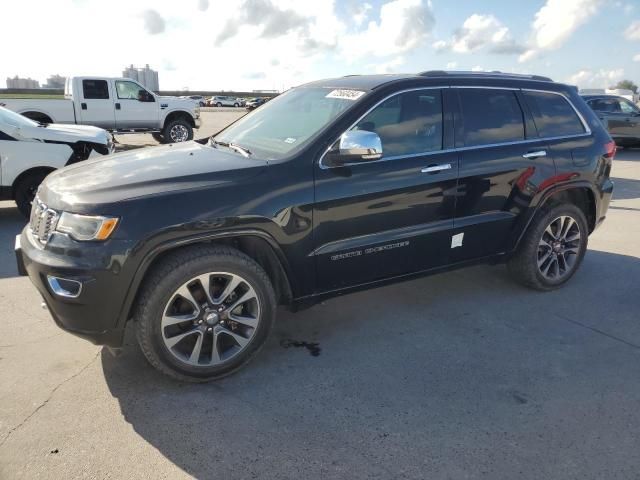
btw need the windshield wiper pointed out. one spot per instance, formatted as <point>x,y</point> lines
<point>245,152</point>
<point>241,150</point>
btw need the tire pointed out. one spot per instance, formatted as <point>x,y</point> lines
<point>176,131</point>
<point>25,191</point>
<point>538,261</point>
<point>218,104</point>
<point>235,105</point>
<point>160,305</point>
<point>158,137</point>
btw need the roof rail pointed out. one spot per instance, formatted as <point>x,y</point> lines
<point>494,73</point>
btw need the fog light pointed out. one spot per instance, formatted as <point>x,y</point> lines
<point>64,287</point>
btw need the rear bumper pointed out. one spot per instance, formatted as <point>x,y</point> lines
<point>93,313</point>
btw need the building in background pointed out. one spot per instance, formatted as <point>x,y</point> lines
<point>55,81</point>
<point>145,76</point>
<point>17,82</point>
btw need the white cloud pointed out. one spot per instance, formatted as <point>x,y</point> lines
<point>153,22</point>
<point>596,78</point>
<point>556,21</point>
<point>403,26</point>
<point>636,57</point>
<point>480,31</point>
<point>632,32</point>
<point>451,65</point>
<point>388,67</point>
<point>361,13</point>
<point>477,68</point>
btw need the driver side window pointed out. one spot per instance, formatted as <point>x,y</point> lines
<point>128,90</point>
<point>627,107</point>
<point>407,123</point>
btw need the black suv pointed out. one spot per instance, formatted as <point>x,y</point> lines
<point>619,115</point>
<point>337,185</point>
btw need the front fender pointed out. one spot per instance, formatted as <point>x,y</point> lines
<point>20,156</point>
<point>152,254</point>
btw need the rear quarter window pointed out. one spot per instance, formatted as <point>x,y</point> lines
<point>553,115</point>
<point>491,116</point>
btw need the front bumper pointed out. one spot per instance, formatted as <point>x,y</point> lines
<point>93,314</point>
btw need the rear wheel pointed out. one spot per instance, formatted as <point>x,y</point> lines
<point>25,191</point>
<point>204,313</point>
<point>552,249</point>
<point>218,104</point>
<point>176,131</point>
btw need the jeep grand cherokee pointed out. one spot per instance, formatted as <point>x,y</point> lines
<point>333,186</point>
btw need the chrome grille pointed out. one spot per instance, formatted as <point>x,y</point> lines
<point>43,221</point>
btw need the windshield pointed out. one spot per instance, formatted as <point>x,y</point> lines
<point>14,119</point>
<point>288,122</point>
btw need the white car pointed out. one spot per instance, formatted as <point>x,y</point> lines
<point>120,105</point>
<point>224,101</point>
<point>29,151</point>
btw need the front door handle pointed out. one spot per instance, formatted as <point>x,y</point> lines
<point>436,168</point>
<point>117,106</point>
<point>536,154</point>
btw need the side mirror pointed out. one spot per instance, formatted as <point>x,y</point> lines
<point>356,146</point>
<point>144,96</point>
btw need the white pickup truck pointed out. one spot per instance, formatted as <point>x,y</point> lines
<point>120,105</point>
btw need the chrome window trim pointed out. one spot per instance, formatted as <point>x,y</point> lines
<point>585,125</point>
<point>586,133</point>
<point>400,92</point>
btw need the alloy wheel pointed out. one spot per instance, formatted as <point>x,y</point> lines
<point>559,248</point>
<point>179,133</point>
<point>210,319</point>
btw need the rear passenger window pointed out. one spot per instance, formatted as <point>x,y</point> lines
<point>491,116</point>
<point>407,123</point>
<point>553,115</point>
<point>95,89</point>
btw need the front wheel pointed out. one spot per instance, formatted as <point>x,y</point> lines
<point>25,191</point>
<point>236,105</point>
<point>178,130</point>
<point>204,313</point>
<point>552,249</point>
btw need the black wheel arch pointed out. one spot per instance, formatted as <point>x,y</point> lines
<point>26,173</point>
<point>179,115</point>
<point>38,116</point>
<point>257,244</point>
<point>581,194</point>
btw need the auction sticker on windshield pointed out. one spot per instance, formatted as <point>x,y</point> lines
<point>345,94</point>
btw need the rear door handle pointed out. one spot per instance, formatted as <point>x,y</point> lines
<point>83,106</point>
<point>117,106</point>
<point>436,168</point>
<point>536,154</point>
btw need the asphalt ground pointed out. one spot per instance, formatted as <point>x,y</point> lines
<point>460,375</point>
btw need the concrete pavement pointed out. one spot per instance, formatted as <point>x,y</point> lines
<point>459,375</point>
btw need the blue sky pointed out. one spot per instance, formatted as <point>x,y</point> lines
<point>251,44</point>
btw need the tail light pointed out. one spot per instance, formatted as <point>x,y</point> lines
<point>610,150</point>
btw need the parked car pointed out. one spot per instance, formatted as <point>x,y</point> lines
<point>399,176</point>
<point>620,116</point>
<point>224,101</point>
<point>29,151</point>
<point>199,99</point>
<point>120,105</point>
<point>255,102</point>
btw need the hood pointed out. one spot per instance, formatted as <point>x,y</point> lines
<point>145,172</point>
<point>58,132</point>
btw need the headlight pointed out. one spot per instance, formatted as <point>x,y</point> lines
<point>86,227</point>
